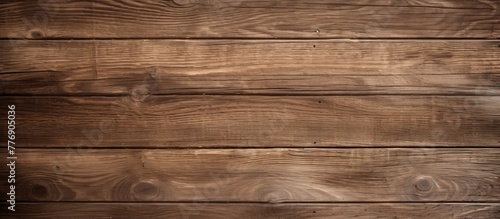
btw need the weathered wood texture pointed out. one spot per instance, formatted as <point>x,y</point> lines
<point>264,121</point>
<point>315,67</point>
<point>186,103</point>
<point>250,19</point>
<point>257,175</point>
<point>247,211</point>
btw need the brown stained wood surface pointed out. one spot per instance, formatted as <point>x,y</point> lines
<point>247,211</point>
<point>314,67</point>
<point>250,19</point>
<point>257,121</point>
<point>252,108</point>
<point>258,175</point>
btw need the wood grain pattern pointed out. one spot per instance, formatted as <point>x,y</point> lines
<point>250,19</point>
<point>247,211</point>
<point>258,175</point>
<point>315,67</point>
<point>264,121</point>
<point>252,108</point>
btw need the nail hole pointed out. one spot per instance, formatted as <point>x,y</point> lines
<point>55,167</point>
<point>314,46</point>
<point>319,101</point>
<point>314,212</point>
<point>314,142</point>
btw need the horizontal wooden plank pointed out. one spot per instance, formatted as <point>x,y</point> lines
<point>250,19</point>
<point>255,121</point>
<point>257,175</point>
<point>316,67</point>
<point>258,211</point>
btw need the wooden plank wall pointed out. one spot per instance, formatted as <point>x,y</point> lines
<point>252,108</point>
